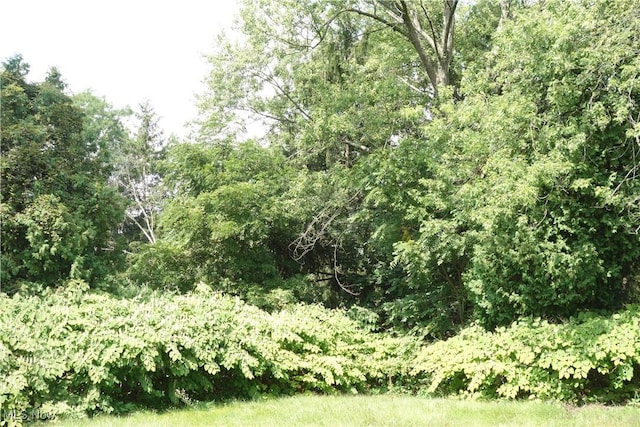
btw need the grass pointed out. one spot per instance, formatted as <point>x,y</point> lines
<point>384,410</point>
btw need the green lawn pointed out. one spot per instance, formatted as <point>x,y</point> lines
<point>386,410</point>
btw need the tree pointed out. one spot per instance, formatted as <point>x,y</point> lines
<point>103,131</point>
<point>345,99</point>
<point>297,77</point>
<point>227,224</point>
<point>536,172</point>
<point>137,172</point>
<point>58,213</point>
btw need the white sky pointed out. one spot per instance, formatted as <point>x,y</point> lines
<point>124,50</point>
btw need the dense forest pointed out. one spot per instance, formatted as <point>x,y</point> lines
<point>430,196</point>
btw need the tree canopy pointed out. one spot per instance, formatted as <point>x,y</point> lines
<point>58,211</point>
<point>437,162</point>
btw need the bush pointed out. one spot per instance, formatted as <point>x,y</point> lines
<point>590,358</point>
<point>72,351</point>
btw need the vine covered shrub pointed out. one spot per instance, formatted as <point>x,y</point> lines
<point>72,351</point>
<point>588,359</point>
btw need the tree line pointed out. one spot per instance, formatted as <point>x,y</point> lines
<point>435,162</point>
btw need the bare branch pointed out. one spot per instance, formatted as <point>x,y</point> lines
<point>274,83</point>
<point>432,43</point>
<point>335,271</point>
<point>411,86</point>
<point>449,21</point>
<point>250,109</point>
<point>308,239</point>
<point>394,26</point>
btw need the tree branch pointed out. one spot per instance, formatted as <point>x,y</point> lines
<point>394,26</point>
<point>414,38</point>
<point>335,271</point>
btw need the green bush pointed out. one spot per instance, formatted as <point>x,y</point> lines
<point>590,358</point>
<point>72,351</point>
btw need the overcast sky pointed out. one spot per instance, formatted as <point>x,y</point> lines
<point>124,50</point>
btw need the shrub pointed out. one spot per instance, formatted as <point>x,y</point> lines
<point>72,351</point>
<point>590,358</point>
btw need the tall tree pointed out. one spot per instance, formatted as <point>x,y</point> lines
<point>534,195</point>
<point>58,213</point>
<point>137,172</point>
<point>345,97</point>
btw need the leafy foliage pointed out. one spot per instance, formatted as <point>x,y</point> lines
<point>566,226</point>
<point>58,213</point>
<point>512,193</point>
<point>75,352</point>
<point>71,351</point>
<point>228,223</point>
<point>137,177</point>
<point>531,205</point>
<point>423,185</point>
<point>590,358</point>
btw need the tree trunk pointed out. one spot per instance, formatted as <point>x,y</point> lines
<point>414,21</point>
